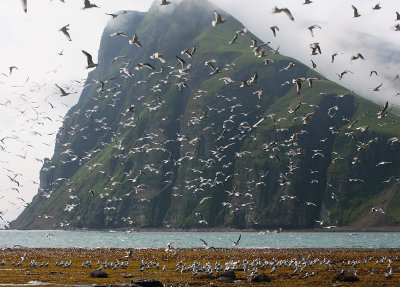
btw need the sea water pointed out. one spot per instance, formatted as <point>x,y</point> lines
<point>121,239</point>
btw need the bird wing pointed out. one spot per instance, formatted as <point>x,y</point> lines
<point>25,5</point>
<point>88,56</point>
<point>288,13</point>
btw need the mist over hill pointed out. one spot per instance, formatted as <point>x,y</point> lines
<point>169,141</point>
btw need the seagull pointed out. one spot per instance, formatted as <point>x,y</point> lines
<point>298,84</point>
<point>115,15</point>
<point>373,72</point>
<point>164,2</point>
<point>135,40</point>
<point>63,92</point>
<point>307,2</point>
<point>358,56</point>
<point>355,14</point>
<point>233,39</point>
<point>89,5</point>
<point>274,29</point>
<point>12,68</point>
<point>158,56</point>
<point>65,32</point>
<point>333,57</point>
<point>259,94</point>
<point>24,5</point>
<point>235,243</point>
<point>206,245</point>
<point>397,15</point>
<point>313,64</point>
<point>377,88</point>
<point>218,19</point>
<point>377,6</point>
<point>315,49</point>
<point>89,60</point>
<point>284,10</point>
<point>312,27</point>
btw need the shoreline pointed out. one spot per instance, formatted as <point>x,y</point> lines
<point>199,266</point>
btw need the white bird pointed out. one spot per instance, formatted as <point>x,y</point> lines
<point>284,10</point>
<point>158,56</point>
<point>89,58</point>
<point>218,19</point>
<point>206,246</point>
<point>135,40</point>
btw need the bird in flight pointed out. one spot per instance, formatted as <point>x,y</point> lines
<point>218,19</point>
<point>135,40</point>
<point>274,29</point>
<point>164,2</point>
<point>63,92</point>
<point>65,32</point>
<point>24,5</point>
<point>284,10</point>
<point>235,243</point>
<point>355,12</point>
<point>90,62</point>
<point>89,5</point>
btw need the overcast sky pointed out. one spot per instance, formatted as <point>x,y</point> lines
<point>31,107</point>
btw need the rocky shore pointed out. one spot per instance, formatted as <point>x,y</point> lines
<point>199,267</point>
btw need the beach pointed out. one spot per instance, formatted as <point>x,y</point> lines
<point>200,267</point>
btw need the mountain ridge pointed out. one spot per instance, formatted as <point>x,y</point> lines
<point>182,158</point>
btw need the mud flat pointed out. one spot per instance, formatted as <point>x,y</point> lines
<point>199,267</point>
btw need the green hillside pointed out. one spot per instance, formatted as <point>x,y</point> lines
<point>177,147</point>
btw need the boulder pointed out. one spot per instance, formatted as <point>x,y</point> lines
<point>345,276</point>
<point>147,282</point>
<point>257,278</point>
<point>98,274</point>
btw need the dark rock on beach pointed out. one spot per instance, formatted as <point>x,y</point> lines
<point>146,282</point>
<point>98,274</point>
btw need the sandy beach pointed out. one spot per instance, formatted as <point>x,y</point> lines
<point>200,267</point>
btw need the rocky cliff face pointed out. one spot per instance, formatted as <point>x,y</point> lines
<point>178,143</point>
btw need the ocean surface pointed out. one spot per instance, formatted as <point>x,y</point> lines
<point>137,240</point>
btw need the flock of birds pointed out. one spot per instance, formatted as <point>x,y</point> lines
<point>242,196</point>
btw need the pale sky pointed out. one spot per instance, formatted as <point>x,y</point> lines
<point>32,109</point>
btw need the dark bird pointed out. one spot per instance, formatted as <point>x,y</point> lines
<point>397,16</point>
<point>311,29</point>
<point>65,32</point>
<point>235,243</point>
<point>358,56</point>
<point>164,2</point>
<point>89,5</point>
<point>115,15</point>
<point>355,12</point>
<point>63,92</point>
<point>376,89</point>
<point>284,10</point>
<point>333,57</point>
<point>274,29</point>
<point>89,58</point>
<point>377,6</point>
<point>373,72</point>
<point>313,64</point>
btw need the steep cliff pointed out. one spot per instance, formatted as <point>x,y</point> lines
<point>173,144</point>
